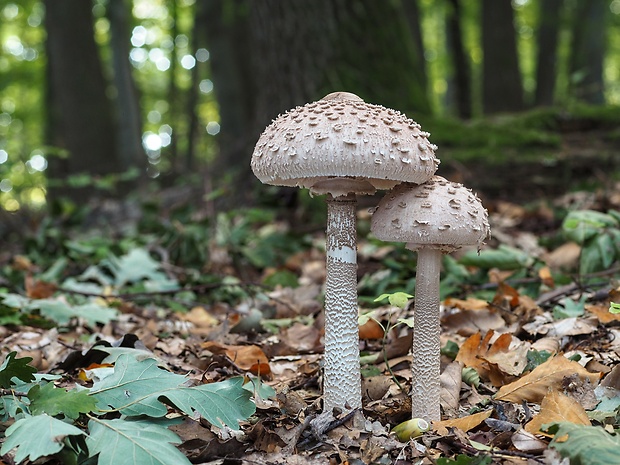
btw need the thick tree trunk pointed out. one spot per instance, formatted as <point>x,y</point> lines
<point>588,50</point>
<point>128,117</point>
<point>502,89</point>
<point>376,55</point>
<point>461,67</point>
<point>547,38</point>
<point>80,117</point>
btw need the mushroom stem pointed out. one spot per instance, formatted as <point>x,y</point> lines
<point>342,379</point>
<point>426,332</point>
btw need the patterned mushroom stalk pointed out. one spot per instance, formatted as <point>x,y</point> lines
<point>341,147</point>
<point>433,218</point>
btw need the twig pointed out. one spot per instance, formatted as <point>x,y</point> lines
<point>11,392</point>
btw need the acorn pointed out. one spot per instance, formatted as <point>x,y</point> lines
<point>411,429</point>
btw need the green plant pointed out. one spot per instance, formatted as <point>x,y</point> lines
<point>125,406</point>
<point>396,299</point>
<point>599,236</point>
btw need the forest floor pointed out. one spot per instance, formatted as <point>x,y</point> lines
<point>528,338</point>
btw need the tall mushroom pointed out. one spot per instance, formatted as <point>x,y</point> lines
<point>342,147</point>
<point>433,218</point>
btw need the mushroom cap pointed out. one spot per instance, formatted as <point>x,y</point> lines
<point>340,145</point>
<point>438,214</point>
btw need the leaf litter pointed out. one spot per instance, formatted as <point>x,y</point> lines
<point>536,346</point>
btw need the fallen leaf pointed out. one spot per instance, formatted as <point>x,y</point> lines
<point>245,358</point>
<point>527,442</point>
<point>463,423</point>
<point>548,375</point>
<point>556,407</point>
<point>36,289</point>
<point>545,276</point>
<point>469,304</point>
<point>505,357</point>
<point>468,322</point>
<point>451,381</point>
<point>602,313</point>
<point>371,330</point>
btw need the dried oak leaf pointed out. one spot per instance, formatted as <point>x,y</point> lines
<point>498,361</point>
<point>556,407</point>
<point>549,375</point>
<point>464,423</point>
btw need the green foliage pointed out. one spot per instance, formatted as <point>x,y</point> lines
<point>503,258</point>
<point>584,445</point>
<point>60,311</point>
<point>614,307</point>
<point>570,308</point>
<point>37,436</point>
<point>397,299</point>
<point>136,387</point>
<point>599,235</point>
<point>134,442</point>
<point>15,368</point>
<point>47,398</point>
<point>535,358</point>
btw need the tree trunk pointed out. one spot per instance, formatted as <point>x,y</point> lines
<point>502,89</point>
<point>588,50</point>
<point>461,66</point>
<point>128,117</point>
<point>80,117</point>
<point>376,55</point>
<point>547,38</point>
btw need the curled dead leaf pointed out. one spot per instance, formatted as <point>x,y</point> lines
<point>464,423</point>
<point>549,375</point>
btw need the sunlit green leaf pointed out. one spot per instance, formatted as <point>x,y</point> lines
<point>54,401</point>
<point>504,258</point>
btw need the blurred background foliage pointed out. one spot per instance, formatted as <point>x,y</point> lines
<point>106,98</point>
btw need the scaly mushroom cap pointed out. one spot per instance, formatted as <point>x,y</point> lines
<point>437,214</point>
<point>340,136</point>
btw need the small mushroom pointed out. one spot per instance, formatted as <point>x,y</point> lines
<point>433,218</point>
<point>342,147</point>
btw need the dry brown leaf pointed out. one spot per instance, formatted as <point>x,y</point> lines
<point>471,350</point>
<point>371,330</point>
<point>602,313</point>
<point>545,276</point>
<point>246,358</point>
<point>463,423</point>
<point>549,375</point>
<point>468,322</point>
<point>497,362</point>
<point>469,304</point>
<point>451,380</point>
<point>509,354</point>
<point>557,406</point>
<point>36,289</point>
<point>506,293</point>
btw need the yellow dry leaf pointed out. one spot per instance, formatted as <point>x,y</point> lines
<point>549,375</point>
<point>557,406</point>
<point>469,304</point>
<point>602,313</point>
<point>463,423</point>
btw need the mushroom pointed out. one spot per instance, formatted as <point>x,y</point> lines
<point>342,147</point>
<point>433,218</point>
